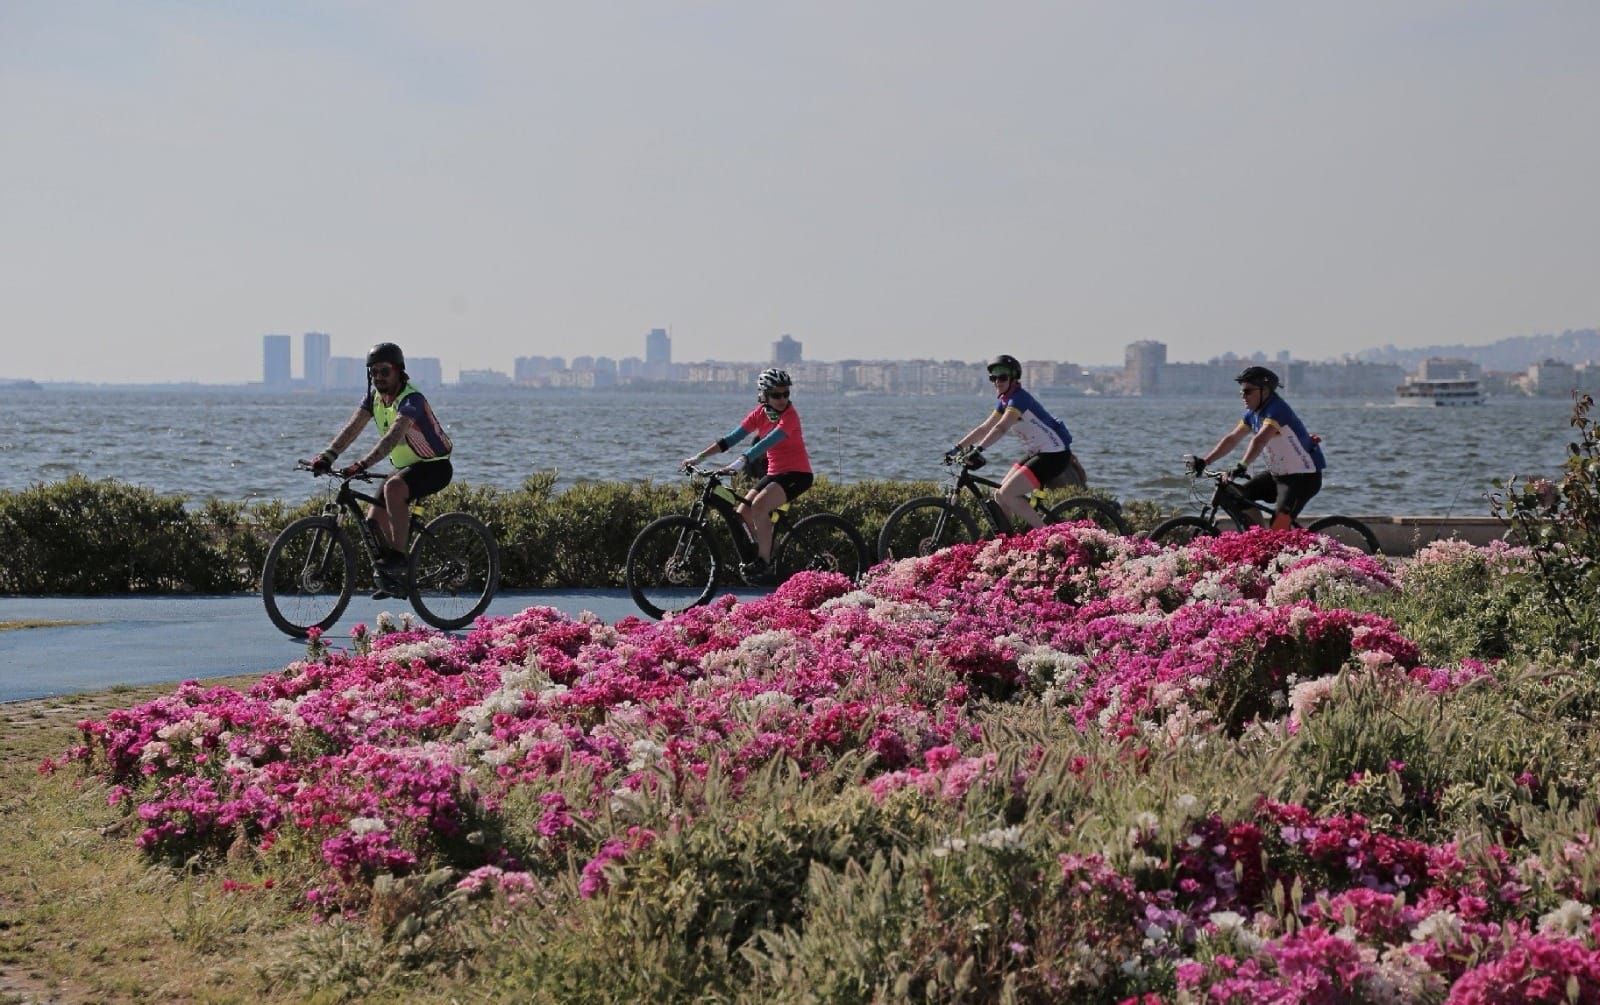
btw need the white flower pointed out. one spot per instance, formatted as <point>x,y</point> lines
<point>367,825</point>
<point>1440,926</point>
<point>1001,838</point>
<point>1571,918</point>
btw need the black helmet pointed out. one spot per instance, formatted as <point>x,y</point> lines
<point>773,377</point>
<point>1007,365</point>
<point>387,352</point>
<point>1259,376</point>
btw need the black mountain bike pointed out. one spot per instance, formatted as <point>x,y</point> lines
<point>1227,500</point>
<point>928,523</point>
<point>310,572</point>
<point>673,563</point>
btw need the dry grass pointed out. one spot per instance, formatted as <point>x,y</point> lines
<point>83,916</point>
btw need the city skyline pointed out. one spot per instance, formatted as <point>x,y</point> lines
<point>896,180</point>
<point>1146,371</point>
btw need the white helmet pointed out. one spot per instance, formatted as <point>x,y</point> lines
<point>773,377</point>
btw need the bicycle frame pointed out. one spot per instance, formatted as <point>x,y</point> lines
<point>966,479</point>
<point>348,499</point>
<point>716,495</point>
<point>1228,499</point>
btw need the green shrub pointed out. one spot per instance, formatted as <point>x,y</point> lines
<point>107,537</point>
<point>1560,522</point>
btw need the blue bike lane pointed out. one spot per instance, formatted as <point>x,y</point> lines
<point>166,639</point>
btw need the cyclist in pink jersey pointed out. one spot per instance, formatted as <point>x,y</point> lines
<point>775,423</point>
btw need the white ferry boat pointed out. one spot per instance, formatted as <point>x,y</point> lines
<point>1428,393</point>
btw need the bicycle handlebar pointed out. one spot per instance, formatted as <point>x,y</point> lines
<point>365,476</point>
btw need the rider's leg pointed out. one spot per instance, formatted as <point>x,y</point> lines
<point>1293,492</point>
<point>757,515</point>
<point>1012,495</point>
<point>396,494</point>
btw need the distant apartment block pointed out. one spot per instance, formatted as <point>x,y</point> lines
<point>1437,368</point>
<point>318,348</point>
<point>483,378</point>
<point>346,372</point>
<point>657,347</point>
<point>425,371</point>
<point>275,351</point>
<point>1551,378</point>
<point>786,351</point>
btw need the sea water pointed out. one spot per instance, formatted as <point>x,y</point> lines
<point>241,444</point>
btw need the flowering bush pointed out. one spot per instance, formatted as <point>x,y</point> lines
<point>989,718</point>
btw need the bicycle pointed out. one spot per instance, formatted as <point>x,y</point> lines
<point>673,562</point>
<point>452,571</point>
<point>924,525</point>
<point>1228,500</point>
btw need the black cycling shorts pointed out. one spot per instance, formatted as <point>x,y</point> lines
<point>792,482</point>
<point>1046,467</point>
<point>426,477</point>
<point>1289,493</point>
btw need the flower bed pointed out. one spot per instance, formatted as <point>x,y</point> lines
<point>537,741</point>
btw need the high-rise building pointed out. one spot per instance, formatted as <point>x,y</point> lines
<point>658,347</point>
<point>275,361</point>
<point>425,371</point>
<point>318,350</point>
<point>786,351</point>
<point>1143,363</point>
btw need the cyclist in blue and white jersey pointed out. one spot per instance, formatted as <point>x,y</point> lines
<point>1294,457</point>
<point>1042,434</point>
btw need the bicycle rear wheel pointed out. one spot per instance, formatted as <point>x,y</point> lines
<point>822,542</point>
<point>1347,531</point>
<point>671,566</point>
<point>1106,516</point>
<point>308,576</point>
<point>455,569</point>
<point>1180,530</point>
<point>923,526</point>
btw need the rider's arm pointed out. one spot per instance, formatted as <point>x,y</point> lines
<point>1258,442</point>
<point>735,434</point>
<point>980,430</point>
<point>1225,445</point>
<point>997,424</point>
<point>390,440</point>
<point>765,444</point>
<point>347,435</point>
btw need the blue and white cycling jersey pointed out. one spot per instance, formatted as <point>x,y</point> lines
<point>1040,432</point>
<point>1292,451</point>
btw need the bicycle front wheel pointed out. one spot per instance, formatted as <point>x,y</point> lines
<point>1347,531</point>
<point>822,542</point>
<point>923,526</point>
<point>1106,516</point>
<point>1180,530</point>
<point>308,576</point>
<point>455,569</point>
<point>671,566</point>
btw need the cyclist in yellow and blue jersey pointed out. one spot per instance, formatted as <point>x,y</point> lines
<point>415,442</point>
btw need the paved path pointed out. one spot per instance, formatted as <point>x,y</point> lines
<point>160,639</point>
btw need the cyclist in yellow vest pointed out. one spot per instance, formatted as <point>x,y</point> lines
<point>410,435</point>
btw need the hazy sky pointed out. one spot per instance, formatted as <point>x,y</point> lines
<point>895,178</point>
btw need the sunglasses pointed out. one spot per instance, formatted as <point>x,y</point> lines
<point>1245,389</point>
<point>996,378</point>
<point>380,371</point>
<point>777,395</point>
